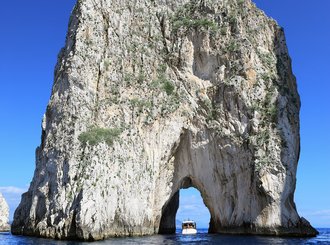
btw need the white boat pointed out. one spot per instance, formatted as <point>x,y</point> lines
<point>189,227</point>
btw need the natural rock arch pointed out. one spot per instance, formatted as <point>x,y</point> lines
<point>222,178</point>
<point>150,94</point>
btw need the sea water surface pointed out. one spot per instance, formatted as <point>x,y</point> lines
<point>202,237</point>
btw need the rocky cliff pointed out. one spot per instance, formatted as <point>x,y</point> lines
<point>4,215</point>
<point>151,96</point>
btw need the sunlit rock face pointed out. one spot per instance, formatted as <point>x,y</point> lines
<point>153,96</point>
<point>4,215</point>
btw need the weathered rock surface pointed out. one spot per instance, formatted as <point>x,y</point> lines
<point>153,96</point>
<point>4,215</point>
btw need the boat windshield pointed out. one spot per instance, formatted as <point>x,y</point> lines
<point>187,225</point>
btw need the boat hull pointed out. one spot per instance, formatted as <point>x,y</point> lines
<point>189,231</point>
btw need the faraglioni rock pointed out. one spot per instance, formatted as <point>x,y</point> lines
<point>4,215</point>
<point>151,96</point>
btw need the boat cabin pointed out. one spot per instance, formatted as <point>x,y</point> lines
<point>189,224</point>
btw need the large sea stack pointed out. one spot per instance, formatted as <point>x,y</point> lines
<point>151,96</point>
<point>4,215</point>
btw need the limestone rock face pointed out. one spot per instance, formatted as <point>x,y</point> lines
<point>153,96</point>
<point>4,215</point>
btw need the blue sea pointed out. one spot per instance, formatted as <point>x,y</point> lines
<point>202,237</point>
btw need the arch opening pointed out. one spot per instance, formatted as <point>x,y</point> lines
<point>186,203</point>
<point>192,207</point>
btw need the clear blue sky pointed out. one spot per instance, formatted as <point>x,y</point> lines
<point>32,33</point>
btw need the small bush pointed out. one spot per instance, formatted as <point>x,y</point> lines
<point>188,17</point>
<point>263,138</point>
<point>232,47</point>
<point>240,2</point>
<point>223,31</point>
<point>267,77</point>
<point>106,64</point>
<point>162,82</point>
<point>169,87</point>
<point>267,59</point>
<point>140,104</point>
<point>141,77</point>
<point>97,135</point>
<point>233,20</point>
<point>272,112</point>
<point>190,23</point>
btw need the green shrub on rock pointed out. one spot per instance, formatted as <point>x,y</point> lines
<point>169,87</point>
<point>97,135</point>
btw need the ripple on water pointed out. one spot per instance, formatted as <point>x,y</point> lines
<point>202,237</point>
